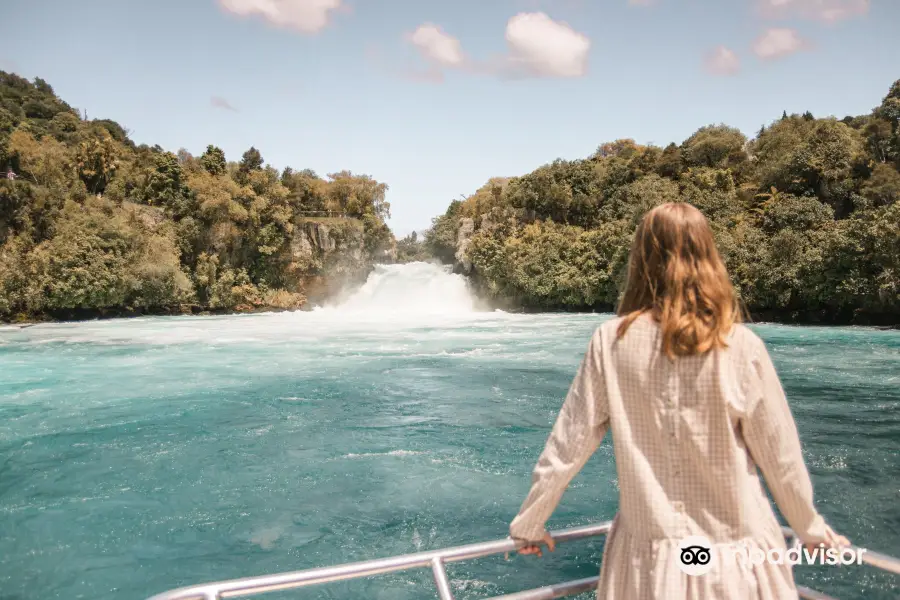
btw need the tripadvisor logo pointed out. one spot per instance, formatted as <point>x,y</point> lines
<point>698,556</point>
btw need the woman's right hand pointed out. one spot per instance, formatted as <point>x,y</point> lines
<point>535,548</point>
<point>832,540</point>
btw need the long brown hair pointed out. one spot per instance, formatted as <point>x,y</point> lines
<point>676,275</point>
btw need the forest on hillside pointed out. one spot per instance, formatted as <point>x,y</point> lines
<point>93,224</point>
<point>806,214</point>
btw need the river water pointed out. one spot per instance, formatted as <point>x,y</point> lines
<point>145,454</point>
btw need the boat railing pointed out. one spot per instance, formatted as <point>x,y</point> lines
<point>436,560</point>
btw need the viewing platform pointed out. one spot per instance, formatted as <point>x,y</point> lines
<point>436,559</point>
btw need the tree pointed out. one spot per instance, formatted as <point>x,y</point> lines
<point>185,158</point>
<point>251,160</point>
<point>64,125</point>
<point>101,258</point>
<point>821,158</point>
<point>45,162</point>
<point>213,160</point>
<point>440,239</point>
<point>165,186</point>
<point>623,147</point>
<point>411,249</point>
<point>118,133</point>
<point>97,159</point>
<point>35,109</point>
<point>883,187</point>
<point>670,163</point>
<point>880,139</point>
<point>631,201</point>
<point>306,190</point>
<point>43,87</point>
<point>890,106</point>
<point>716,146</point>
<point>357,195</point>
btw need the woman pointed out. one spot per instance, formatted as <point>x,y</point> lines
<point>696,407</point>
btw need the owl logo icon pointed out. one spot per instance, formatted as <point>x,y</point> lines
<point>695,555</point>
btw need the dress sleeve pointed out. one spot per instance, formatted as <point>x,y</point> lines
<point>771,436</point>
<point>577,434</point>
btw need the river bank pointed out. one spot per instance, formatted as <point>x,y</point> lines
<point>761,317</point>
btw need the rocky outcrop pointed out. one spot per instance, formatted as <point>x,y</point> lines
<point>463,237</point>
<point>316,245</point>
<point>328,256</point>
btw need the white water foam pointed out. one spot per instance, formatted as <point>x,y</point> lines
<point>412,289</point>
<point>393,297</point>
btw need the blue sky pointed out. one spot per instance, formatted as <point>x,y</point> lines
<point>436,96</point>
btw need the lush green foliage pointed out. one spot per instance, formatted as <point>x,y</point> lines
<point>412,249</point>
<point>806,215</point>
<point>94,223</point>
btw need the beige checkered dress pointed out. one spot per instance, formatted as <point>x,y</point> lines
<point>688,436</point>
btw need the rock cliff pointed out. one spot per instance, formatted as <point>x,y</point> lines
<point>330,256</point>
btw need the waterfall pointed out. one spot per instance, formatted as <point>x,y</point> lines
<point>411,289</point>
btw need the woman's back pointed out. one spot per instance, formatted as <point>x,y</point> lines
<point>689,433</point>
<point>683,465</point>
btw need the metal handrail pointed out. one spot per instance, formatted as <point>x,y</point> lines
<point>435,560</point>
<point>884,562</point>
<point>296,579</point>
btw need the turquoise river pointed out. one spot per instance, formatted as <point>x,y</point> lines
<point>146,454</point>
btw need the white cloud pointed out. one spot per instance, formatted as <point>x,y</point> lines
<point>219,102</point>
<point>723,61</point>
<point>829,11</point>
<point>437,46</point>
<point>544,47</point>
<point>307,16</point>
<point>538,47</point>
<point>778,43</point>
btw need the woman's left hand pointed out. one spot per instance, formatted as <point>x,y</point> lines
<point>536,548</point>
